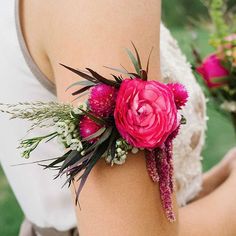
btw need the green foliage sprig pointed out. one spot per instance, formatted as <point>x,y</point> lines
<point>217,10</point>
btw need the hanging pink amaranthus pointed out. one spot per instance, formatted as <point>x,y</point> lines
<point>160,168</point>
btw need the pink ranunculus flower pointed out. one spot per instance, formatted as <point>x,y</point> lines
<point>145,113</point>
<point>213,71</point>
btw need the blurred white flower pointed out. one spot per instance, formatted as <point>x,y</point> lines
<point>229,106</point>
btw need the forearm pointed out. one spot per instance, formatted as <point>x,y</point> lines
<point>212,179</point>
<point>213,215</point>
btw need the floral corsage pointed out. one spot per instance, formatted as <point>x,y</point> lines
<point>120,115</point>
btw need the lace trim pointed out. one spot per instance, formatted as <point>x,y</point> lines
<point>188,145</point>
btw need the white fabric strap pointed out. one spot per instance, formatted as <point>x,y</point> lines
<point>28,58</point>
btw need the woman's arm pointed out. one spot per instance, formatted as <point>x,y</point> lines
<point>119,200</point>
<point>216,176</point>
<point>122,200</point>
<point>213,215</point>
<point>95,34</point>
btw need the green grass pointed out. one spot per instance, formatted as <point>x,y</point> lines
<point>219,139</point>
<point>10,213</point>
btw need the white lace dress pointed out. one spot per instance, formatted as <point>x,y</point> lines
<point>188,145</point>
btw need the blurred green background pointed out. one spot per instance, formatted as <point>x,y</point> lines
<point>179,17</point>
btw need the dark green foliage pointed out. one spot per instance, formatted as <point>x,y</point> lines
<point>177,13</point>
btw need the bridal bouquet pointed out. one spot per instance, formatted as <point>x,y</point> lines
<point>218,69</point>
<point>121,115</point>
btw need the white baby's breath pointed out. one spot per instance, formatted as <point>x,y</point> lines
<point>76,145</point>
<point>123,157</point>
<point>118,142</point>
<point>61,141</point>
<point>134,150</point>
<point>121,152</point>
<point>62,128</point>
<point>71,127</point>
<point>68,139</point>
<point>119,161</point>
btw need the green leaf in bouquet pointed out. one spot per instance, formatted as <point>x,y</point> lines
<point>51,138</point>
<point>80,83</point>
<point>96,119</point>
<point>73,171</point>
<point>123,71</point>
<point>71,159</point>
<point>101,140</point>
<point>58,160</point>
<point>137,56</point>
<point>134,61</point>
<point>81,74</point>
<point>79,91</point>
<point>144,75</point>
<point>81,95</point>
<point>113,150</point>
<point>148,61</point>
<point>117,70</point>
<point>36,162</point>
<point>97,155</point>
<point>76,168</point>
<point>221,80</point>
<point>112,143</point>
<point>101,78</point>
<point>117,78</point>
<point>134,75</point>
<point>84,158</point>
<point>183,120</point>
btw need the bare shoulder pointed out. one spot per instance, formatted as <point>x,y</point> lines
<point>88,33</point>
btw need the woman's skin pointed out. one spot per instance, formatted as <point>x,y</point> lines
<point>121,200</point>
